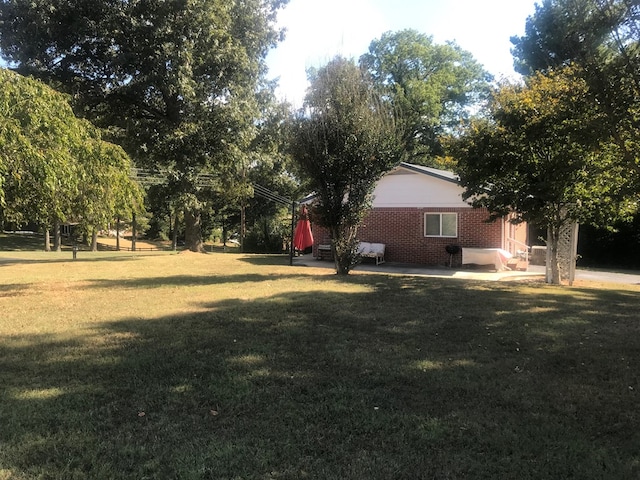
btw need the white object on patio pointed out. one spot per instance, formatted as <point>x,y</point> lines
<point>486,256</point>
<point>372,250</point>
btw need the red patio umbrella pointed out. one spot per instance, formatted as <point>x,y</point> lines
<point>303,238</point>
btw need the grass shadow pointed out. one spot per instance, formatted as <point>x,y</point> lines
<point>265,259</point>
<point>58,258</point>
<point>413,378</point>
<point>21,242</point>
<point>190,280</point>
<point>13,289</point>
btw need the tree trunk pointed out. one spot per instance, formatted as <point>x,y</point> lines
<point>57,239</point>
<point>134,233</point>
<point>342,267</point>
<point>225,234</point>
<point>94,240</point>
<point>344,246</point>
<point>243,228</point>
<point>193,231</point>
<point>47,239</point>
<point>174,234</point>
<point>118,234</point>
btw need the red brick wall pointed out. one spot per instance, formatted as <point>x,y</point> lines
<point>402,231</point>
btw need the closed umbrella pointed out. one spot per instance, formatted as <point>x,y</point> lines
<point>303,238</point>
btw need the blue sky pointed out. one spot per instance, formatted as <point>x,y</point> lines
<point>317,30</point>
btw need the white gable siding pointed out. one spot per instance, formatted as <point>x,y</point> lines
<point>404,188</point>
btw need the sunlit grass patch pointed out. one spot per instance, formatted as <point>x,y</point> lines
<point>37,394</point>
<point>425,365</point>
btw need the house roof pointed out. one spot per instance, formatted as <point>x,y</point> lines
<point>434,172</point>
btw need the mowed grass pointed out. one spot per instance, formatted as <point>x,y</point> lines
<point>227,366</point>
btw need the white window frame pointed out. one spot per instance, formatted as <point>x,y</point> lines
<point>440,214</point>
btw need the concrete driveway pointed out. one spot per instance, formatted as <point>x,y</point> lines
<point>629,278</point>
<point>534,272</point>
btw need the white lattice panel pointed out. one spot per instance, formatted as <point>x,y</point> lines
<point>567,253</point>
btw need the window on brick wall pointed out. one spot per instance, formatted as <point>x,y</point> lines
<point>441,225</point>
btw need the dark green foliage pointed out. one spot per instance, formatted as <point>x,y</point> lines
<point>561,32</point>
<point>266,235</point>
<point>542,156</point>
<point>55,167</point>
<point>606,247</point>
<point>345,139</point>
<point>430,86</point>
<point>174,81</point>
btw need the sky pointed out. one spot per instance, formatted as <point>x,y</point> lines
<point>318,30</point>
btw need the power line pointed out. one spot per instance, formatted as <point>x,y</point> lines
<point>154,177</point>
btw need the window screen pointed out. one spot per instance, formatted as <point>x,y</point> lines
<point>441,224</point>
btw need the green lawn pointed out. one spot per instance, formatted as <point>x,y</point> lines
<point>224,366</point>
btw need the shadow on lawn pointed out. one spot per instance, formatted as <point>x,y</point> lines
<point>21,242</point>
<point>200,280</point>
<point>266,259</point>
<point>13,289</point>
<point>417,379</point>
<point>67,257</point>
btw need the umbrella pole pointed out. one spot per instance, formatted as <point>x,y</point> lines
<point>293,220</point>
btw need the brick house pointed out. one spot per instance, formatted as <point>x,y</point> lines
<point>418,211</point>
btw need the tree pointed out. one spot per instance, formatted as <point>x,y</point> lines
<point>431,87</point>
<point>55,166</point>
<point>345,139</point>
<point>586,32</point>
<point>603,38</point>
<point>37,131</point>
<point>272,168</point>
<point>105,190</point>
<point>174,81</point>
<point>541,155</point>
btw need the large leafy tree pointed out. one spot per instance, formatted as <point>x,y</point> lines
<point>344,139</point>
<point>431,86</point>
<point>542,155</point>
<point>603,38</point>
<point>173,80</point>
<point>272,168</point>
<point>54,166</point>
<point>266,164</point>
<point>587,32</point>
<point>105,189</point>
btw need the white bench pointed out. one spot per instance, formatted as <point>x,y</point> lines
<point>372,250</point>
